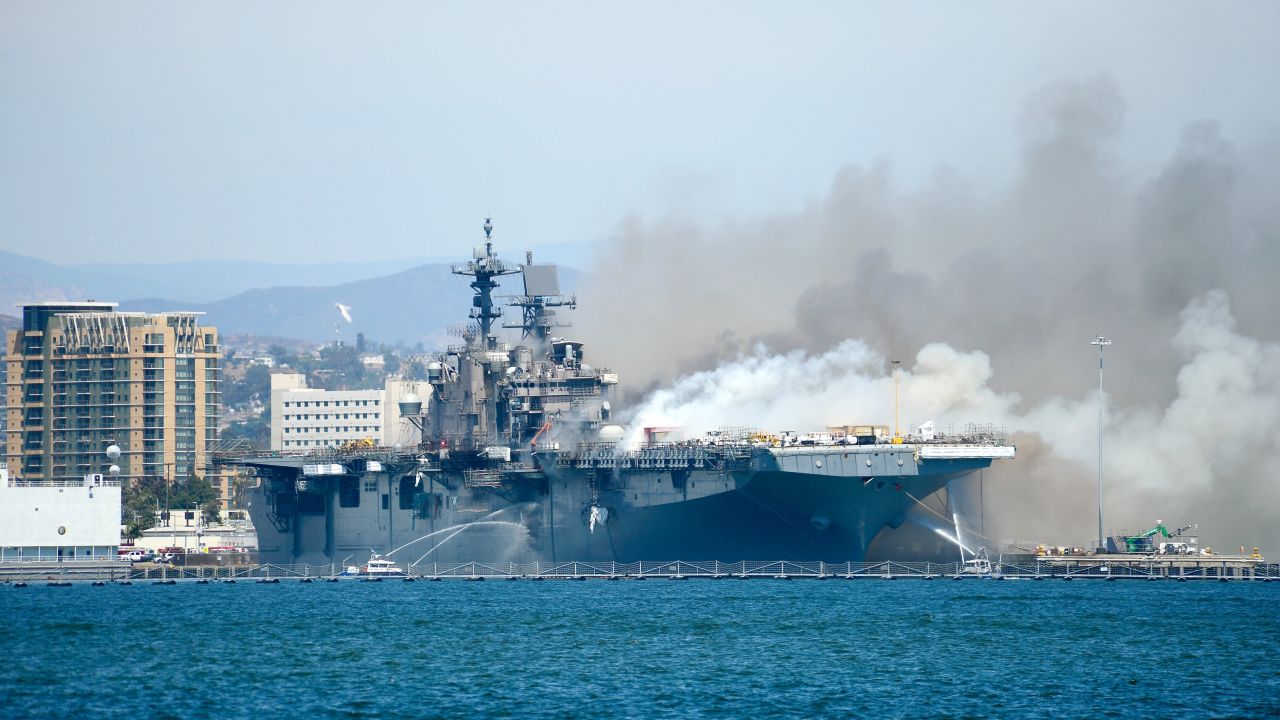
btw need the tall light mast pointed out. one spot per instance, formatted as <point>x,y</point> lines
<point>1101,342</point>
<point>896,435</point>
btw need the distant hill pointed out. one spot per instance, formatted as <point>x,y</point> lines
<point>17,287</point>
<point>416,305</point>
<point>26,279</point>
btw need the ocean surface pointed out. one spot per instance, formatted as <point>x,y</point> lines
<point>730,648</point>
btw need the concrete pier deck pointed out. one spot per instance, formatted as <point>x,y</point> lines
<point>1216,568</point>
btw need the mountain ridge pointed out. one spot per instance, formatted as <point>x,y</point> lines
<point>408,303</point>
<point>416,305</point>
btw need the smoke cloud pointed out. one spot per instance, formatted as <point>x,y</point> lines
<point>802,392</point>
<point>789,321</point>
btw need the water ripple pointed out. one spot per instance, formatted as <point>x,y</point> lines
<point>705,649</point>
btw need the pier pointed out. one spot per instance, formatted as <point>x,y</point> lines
<point>1099,568</point>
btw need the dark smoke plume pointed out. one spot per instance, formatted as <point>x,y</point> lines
<point>1177,268</point>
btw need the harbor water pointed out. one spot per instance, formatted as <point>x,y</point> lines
<point>728,648</point>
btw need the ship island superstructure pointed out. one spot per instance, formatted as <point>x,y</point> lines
<point>519,462</point>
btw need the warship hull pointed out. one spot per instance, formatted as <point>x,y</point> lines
<point>792,504</point>
<point>490,482</point>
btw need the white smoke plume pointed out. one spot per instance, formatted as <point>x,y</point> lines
<point>843,386</point>
<point>1211,455</point>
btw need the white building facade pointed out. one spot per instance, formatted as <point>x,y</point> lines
<point>58,520</point>
<point>305,419</point>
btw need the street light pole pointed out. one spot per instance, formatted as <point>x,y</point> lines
<point>1101,342</point>
<point>895,399</point>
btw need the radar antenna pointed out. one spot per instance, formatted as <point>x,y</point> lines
<point>541,293</point>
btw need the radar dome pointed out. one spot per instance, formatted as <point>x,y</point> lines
<point>410,404</point>
<point>113,470</point>
<point>612,433</point>
<point>113,451</point>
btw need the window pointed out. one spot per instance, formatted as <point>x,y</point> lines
<point>371,486</point>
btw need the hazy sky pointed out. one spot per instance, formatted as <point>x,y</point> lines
<point>323,131</point>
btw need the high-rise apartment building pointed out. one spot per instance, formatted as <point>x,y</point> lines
<point>81,376</point>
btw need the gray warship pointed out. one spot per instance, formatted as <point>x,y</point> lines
<point>519,462</point>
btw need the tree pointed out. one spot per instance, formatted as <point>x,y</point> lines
<point>281,355</point>
<point>415,371</point>
<point>137,509</point>
<point>256,431</point>
<point>390,361</point>
<point>195,491</point>
<point>256,385</point>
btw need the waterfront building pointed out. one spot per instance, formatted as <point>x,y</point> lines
<point>81,376</point>
<point>59,520</point>
<point>189,531</point>
<point>305,419</point>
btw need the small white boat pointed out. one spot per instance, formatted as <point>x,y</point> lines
<point>378,566</point>
<point>979,564</point>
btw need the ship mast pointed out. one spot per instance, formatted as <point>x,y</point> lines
<point>484,268</point>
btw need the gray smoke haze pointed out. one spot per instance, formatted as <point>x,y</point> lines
<point>1176,267</point>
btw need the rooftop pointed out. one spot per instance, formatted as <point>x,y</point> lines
<point>67,303</point>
